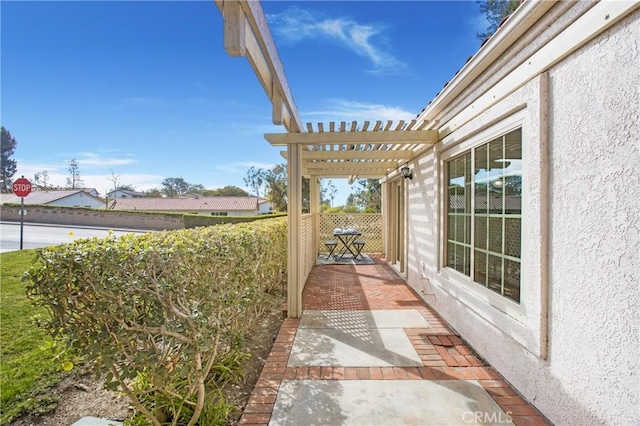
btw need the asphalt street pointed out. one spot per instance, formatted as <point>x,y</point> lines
<point>42,235</point>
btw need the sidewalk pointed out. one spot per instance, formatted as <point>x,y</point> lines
<point>369,351</point>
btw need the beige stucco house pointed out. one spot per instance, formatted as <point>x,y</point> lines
<point>84,197</point>
<point>520,223</point>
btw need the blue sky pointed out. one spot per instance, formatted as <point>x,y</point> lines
<point>144,90</point>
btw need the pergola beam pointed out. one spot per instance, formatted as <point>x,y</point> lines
<point>401,154</point>
<point>353,166</point>
<point>421,137</point>
<point>247,33</point>
<point>351,178</point>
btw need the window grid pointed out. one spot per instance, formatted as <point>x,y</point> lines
<point>486,256</point>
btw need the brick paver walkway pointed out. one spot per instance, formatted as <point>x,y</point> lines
<point>445,356</point>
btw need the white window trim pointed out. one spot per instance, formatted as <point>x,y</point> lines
<point>462,285</point>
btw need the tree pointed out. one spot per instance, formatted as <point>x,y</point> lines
<point>9,166</point>
<point>41,181</point>
<point>328,192</point>
<point>74,181</point>
<point>276,187</point>
<point>368,196</point>
<point>305,192</point>
<point>126,188</point>
<point>228,191</point>
<point>351,200</point>
<point>153,193</point>
<point>495,11</point>
<point>173,187</point>
<point>114,178</point>
<point>255,178</point>
<point>196,188</point>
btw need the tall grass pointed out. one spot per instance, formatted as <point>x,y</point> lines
<point>30,362</point>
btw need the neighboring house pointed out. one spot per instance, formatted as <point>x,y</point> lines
<point>214,206</point>
<point>124,193</point>
<point>86,197</point>
<point>264,207</point>
<point>547,289</point>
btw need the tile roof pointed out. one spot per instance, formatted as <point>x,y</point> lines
<point>187,204</point>
<point>45,197</point>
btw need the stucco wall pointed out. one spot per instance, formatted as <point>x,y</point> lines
<point>583,203</point>
<point>92,217</point>
<point>595,272</point>
<point>79,200</point>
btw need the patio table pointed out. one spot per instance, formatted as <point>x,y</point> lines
<point>346,237</point>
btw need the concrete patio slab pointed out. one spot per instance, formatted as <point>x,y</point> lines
<point>385,403</point>
<point>348,362</point>
<point>356,348</point>
<point>343,320</point>
<point>356,338</point>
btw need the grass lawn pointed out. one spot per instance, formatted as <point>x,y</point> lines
<point>29,362</point>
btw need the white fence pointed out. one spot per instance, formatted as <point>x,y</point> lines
<point>369,224</point>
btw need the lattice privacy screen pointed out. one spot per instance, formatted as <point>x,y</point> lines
<point>370,224</point>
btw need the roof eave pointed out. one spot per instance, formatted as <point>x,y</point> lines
<point>517,24</point>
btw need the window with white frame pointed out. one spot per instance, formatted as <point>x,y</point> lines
<point>484,214</point>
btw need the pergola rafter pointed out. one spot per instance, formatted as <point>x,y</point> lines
<point>347,150</point>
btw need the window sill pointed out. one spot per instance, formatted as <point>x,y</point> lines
<point>480,298</point>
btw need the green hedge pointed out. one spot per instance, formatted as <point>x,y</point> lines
<point>158,312</point>
<point>194,220</point>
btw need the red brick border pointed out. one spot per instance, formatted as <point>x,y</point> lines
<point>445,356</point>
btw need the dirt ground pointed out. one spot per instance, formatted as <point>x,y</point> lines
<point>82,396</point>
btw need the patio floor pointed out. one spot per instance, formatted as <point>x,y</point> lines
<point>369,351</point>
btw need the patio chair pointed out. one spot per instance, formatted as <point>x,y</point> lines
<point>359,245</point>
<point>331,246</point>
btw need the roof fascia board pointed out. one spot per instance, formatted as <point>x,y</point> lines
<point>593,22</point>
<point>516,25</point>
<point>428,137</point>
<point>79,191</point>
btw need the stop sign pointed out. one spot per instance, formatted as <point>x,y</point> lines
<point>22,187</point>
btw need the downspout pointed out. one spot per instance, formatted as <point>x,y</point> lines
<point>545,212</point>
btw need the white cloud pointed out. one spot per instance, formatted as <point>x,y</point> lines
<point>90,173</point>
<point>140,181</point>
<point>95,160</point>
<point>342,109</point>
<point>297,24</point>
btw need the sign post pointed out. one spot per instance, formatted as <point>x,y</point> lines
<point>21,188</point>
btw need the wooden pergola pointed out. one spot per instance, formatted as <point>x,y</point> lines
<point>339,150</point>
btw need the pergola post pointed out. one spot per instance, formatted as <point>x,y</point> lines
<point>384,208</point>
<point>294,213</point>
<point>315,209</point>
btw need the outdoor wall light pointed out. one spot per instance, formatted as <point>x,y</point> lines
<point>406,172</point>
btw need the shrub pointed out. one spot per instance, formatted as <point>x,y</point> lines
<point>158,312</point>
<point>194,220</point>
